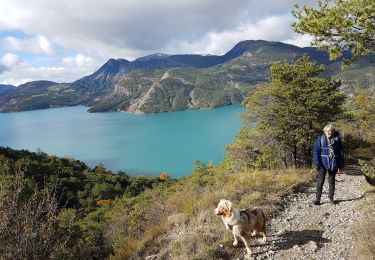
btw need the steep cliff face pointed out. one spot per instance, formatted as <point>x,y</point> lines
<point>103,78</point>
<point>114,69</point>
<point>171,90</point>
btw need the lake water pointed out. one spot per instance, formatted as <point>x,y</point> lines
<point>136,144</point>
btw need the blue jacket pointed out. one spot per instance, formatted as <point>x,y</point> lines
<point>321,153</point>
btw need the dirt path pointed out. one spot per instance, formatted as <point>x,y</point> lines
<point>306,231</point>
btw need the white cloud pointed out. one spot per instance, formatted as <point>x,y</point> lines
<point>131,28</point>
<point>66,70</point>
<point>78,61</point>
<point>10,60</point>
<point>273,28</point>
<point>36,45</point>
<point>98,30</point>
<point>300,40</point>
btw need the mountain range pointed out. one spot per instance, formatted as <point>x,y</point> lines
<point>4,88</point>
<point>161,82</point>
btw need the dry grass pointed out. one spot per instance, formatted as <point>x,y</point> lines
<point>364,234</point>
<point>193,231</point>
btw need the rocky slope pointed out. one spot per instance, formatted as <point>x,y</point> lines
<point>177,89</point>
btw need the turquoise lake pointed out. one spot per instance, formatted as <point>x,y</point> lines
<point>136,144</point>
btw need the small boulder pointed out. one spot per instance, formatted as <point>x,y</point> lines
<point>152,257</point>
<point>296,247</point>
<point>312,246</point>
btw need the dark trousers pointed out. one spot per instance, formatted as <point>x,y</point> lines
<point>331,181</point>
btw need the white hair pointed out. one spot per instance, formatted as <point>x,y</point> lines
<point>329,127</point>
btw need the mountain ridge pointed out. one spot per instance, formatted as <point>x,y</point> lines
<point>6,87</point>
<point>161,82</point>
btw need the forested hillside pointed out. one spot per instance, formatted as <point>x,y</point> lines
<point>46,202</point>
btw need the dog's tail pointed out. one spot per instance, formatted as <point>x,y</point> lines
<point>264,219</point>
<point>263,215</point>
<point>259,211</point>
<point>264,229</point>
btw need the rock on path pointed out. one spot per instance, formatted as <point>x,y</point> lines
<point>306,231</point>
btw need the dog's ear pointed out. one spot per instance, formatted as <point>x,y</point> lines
<point>228,204</point>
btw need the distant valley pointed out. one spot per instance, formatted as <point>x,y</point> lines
<point>161,82</point>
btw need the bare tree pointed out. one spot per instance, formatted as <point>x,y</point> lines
<point>29,221</point>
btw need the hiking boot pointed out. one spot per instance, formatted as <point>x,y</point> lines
<point>316,202</point>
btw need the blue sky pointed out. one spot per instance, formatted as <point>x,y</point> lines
<point>34,59</point>
<point>65,40</point>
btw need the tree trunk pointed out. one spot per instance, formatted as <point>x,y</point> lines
<point>309,153</point>
<point>309,145</point>
<point>295,156</point>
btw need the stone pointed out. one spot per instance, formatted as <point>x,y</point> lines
<point>296,247</point>
<point>312,246</point>
<point>152,257</point>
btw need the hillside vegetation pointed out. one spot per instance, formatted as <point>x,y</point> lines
<point>45,201</point>
<point>59,208</point>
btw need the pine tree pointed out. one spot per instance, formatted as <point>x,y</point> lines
<point>294,106</point>
<point>339,26</point>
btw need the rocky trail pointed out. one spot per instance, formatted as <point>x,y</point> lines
<point>305,231</point>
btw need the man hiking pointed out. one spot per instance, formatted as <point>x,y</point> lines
<point>328,158</point>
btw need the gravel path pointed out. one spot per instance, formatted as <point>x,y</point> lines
<point>306,231</point>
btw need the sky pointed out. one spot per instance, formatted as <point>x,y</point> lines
<point>62,40</point>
